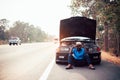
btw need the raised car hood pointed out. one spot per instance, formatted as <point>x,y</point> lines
<point>77,26</point>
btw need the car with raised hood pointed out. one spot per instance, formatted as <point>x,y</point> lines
<point>77,29</point>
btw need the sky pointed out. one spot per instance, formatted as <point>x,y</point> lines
<point>43,13</point>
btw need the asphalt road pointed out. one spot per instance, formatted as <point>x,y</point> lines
<point>36,61</point>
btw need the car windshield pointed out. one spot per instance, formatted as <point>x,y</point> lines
<point>14,38</point>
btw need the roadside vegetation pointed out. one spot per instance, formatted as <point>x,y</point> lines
<point>106,12</point>
<point>110,57</point>
<point>23,30</point>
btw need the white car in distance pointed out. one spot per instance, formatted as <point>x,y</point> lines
<point>14,41</point>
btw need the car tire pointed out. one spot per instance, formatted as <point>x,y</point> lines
<point>57,62</point>
<point>10,44</point>
<point>99,62</point>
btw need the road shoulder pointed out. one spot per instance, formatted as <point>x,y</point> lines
<point>110,58</point>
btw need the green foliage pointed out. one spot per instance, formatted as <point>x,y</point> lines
<point>3,25</point>
<point>103,11</point>
<point>27,32</point>
<point>100,28</point>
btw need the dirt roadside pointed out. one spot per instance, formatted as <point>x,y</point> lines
<point>110,58</point>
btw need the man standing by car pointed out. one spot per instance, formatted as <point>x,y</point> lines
<point>78,53</point>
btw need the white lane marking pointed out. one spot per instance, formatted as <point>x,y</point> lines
<point>47,71</point>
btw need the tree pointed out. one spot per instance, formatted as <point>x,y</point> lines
<point>3,25</point>
<point>27,32</point>
<point>104,11</point>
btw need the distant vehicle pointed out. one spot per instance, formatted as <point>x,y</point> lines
<point>56,40</point>
<point>14,41</point>
<point>78,29</point>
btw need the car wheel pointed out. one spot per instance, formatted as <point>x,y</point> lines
<point>57,62</point>
<point>99,62</point>
<point>19,43</point>
<point>10,44</point>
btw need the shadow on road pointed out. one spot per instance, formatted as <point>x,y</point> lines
<point>104,71</point>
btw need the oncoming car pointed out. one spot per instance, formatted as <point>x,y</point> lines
<point>56,40</point>
<point>68,43</point>
<point>14,41</point>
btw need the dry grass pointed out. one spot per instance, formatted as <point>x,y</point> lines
<point>3,42</point>
<point>110,58</point>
